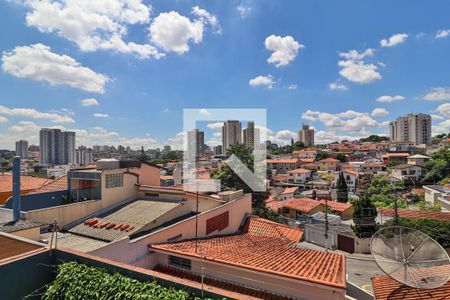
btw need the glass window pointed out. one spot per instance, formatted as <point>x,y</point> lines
<point>114,180</point>
<point>179,262</point>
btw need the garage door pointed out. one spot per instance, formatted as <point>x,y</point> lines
<point>346,243</point>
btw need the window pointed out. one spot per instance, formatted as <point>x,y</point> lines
<point>179,262</point>
<point>114,180</point>
<point>152,195</point>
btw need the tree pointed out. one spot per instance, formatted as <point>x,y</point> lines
<point>341,157</point>
<point>321,155</point>
<point>438,167</point>
<point>298,145</point>
<point>374,138</point>
<point>381,191</point>
<point>341,189</point>
<point>142,155</point>
<point>364,216</point>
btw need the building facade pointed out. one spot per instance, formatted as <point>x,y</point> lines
<point>196,143</point>
<point>84,156</point>
<point>415,128</point>
<point>231,134</point>
<point>306,135</point>
<point>56,147</point>
<point>251,135</point>
<point>22,149</point>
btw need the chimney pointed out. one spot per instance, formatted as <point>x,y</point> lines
<point>16,189</point>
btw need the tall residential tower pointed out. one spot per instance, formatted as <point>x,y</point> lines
<point>306,135</point>
<point>231,134</point>
<point>414,128</point>
<point>57,147</point>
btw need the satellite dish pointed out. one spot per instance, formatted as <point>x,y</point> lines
<point>410,257</point>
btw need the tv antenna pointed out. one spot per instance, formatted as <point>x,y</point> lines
<point>410,257</point>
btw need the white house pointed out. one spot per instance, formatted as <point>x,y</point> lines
<point>299,176</point>
<point>435,194</point>
<point>408,171</point>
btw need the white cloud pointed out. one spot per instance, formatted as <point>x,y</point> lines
<point>173,32</point>
<point>35,114</point>
<point>176,143</point>
<point>394,40</point>
<point>437,94</point>
<point>215,126</point>
<point>346,121</point>
<point>437,117</point>
<point>292,87</point>
<point>441,34</point>
<point>24,126</point>
<point>444,110</point>
<point>100,115</point>
<point>37,62</point>
<point>89,102</point>
<point>337,86</point>
<point>443,127</point>
<point>3,119</point>
<point>262,81</point>
<point>330,136</point>
<point>354,69</point>
<point>379,112</point>
<point>284,49</point>
<point>388,99</point>
<point>204,112</point>
<point>243,10</point>
<point>93,25</point>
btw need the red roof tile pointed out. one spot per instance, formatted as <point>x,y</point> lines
<point>27,183</point>
<point>416,214</point>
<point>59,184</point>
<point>329,160</point>
<point>259,251</point>
<point>289,190</point>
<point>283,161</point>
<point>337,206</point>
<point>305,205</point>
<point>264,227</point>
<point>299,171</point>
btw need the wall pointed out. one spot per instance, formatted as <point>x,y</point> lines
<point>112,196</point>
<point>39,200</point>
<point>317,236</point>
<point>149,175</point>
<point>64,214</point>
<point>33,234</point>
<point>362,245</point>
<point>5,195</point>
<point>136,252</point>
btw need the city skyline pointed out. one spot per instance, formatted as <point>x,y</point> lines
<point>125,88</point>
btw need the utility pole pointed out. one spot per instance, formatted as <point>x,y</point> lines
<point>326,224</point>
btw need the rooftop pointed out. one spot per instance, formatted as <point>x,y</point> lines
<point>416,214</point>
<point>289,190</point>
<point>396,155</point>
<point>12,226</point>
<point>305,205</point>
<point>27,183</point>
<point>282,161</point>
<point>59,184</point>
<point>299,171</point>
<point>13,247</point>
<point>267,252</point>
<point>337,206</point>
<point>329,160</point>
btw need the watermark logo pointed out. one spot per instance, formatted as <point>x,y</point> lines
<point>233,119</point>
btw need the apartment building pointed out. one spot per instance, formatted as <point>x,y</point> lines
<point>57,147</point>
<point>306,135</point>
<point>414,128</point>
<point>251,135</point>
<point>231,134</point>
<point>196,143</point>
<point>22,149</point>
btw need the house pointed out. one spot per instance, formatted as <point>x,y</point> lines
<point>27,185</point>
<point>395,158</point>
<point>408,172</point>
<point>263,256</point>
<point>295,207</point>
<point>328,164</point>
<point>351,178</point>
<point>305,154</point>
<point>413,214</point>
<point>417,159</point>
<point>438,194</point>
<point>372,167</point>
<point>283,165</point>
<point>287,193</point>
<point>298,175</point>
<point>344,210</point>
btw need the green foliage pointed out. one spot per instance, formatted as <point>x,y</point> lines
<point>374,139</point>
<point>438,167</point>
<point>321,155</point>
<point>381,192</point>
<point>443,181</point>
<point>167,157</point>
<point>364,216</point>
<point>298,145</point>
<point>341,189</point>
<point>438,230</point>
<point>341,157</point>
<point>79,281</point>
<point>281,150</point>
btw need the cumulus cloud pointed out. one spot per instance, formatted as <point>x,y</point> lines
<point>355,69</point>
<point>337,86</point>
<point>24,126</point>
<point>388,99</point>
<point>89,102</point>
<point>3,119</point>
<point>437,117</point>
<point>261,80</point>
<point>100,115</point>
<point>441,34</point>
<point>444,110</point>
<point>93,25</point>
<point>437,94</point>
<point>284,49</point>
<point>215,126</point>
<point>346,121</point>
<point>379,112</point>
<point>35,114</point>
<point>173,32</point>
<point>204,112</point>
<point>39,63</point>
<point>394,40</point>
<point>443,127</point>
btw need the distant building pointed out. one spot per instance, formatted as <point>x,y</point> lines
<point>306,135</point>
<point>22,149</point>
<point>218,150</point>
<point>33,148</point>
<point>415,128</point>
<point>84,156</point>
<point>196,143</point>
<point>56,146</point>
<point>167,148</point>
<point>251,135</point>
<point>231,134</point>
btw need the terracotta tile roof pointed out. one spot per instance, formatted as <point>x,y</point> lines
<point>307,160</point>
<point>386,288</point>
<point>416,214</point>
<point>245,291</point>
<point>329,160</point>
<point>299,171</point>
<point>59,184</point>
<point>27,183</point>
<point>305,205</point>
<point>371,165</point>
<point>265,253</point>
<point>337,206</point>
<point>166,177</point>
<point>304,151</point>
<point>289,190</point>
<point>396,155</point>
<point>280,177</point>
<point>352,172</point>
<point>283,161</point>
<point>264,227</point>
<point>311,165</point>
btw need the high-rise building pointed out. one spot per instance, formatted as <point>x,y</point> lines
<point>231,134</point>
<point>57,147</point>
<point>251,135</point>
<point>413,128</point>
<point>306,135</point>
<point>84,156</point>
<point>196,143</point>
<point>22,149</point>
<point>218,150</point>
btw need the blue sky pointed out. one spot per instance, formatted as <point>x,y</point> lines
<point>319,62</point>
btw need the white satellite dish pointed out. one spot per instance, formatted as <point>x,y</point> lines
<point>410,257</point>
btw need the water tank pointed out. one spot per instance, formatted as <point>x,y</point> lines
<point>108,163</point>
